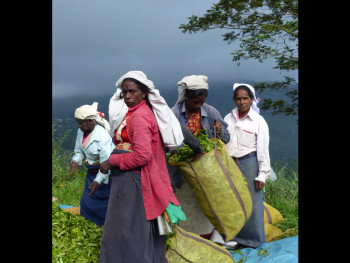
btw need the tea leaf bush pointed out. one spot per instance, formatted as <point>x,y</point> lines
<point>74,239</point>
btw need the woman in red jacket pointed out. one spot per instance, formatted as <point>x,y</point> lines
<point>141,189</point>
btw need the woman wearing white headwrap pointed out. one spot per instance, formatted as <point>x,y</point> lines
<point>141,189</point>
<point>167,123</point>
<point>94,145</point>
<point>194,114</point>
<point>192,111</point>
<point>249,147</point>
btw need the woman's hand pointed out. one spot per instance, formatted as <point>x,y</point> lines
<point>259,185</point>
<point>73,167</point>
<point>217,126</point>
<point>104,167</point>
<point>93,186</point>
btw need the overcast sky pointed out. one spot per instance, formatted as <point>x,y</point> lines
<point>94,42</point>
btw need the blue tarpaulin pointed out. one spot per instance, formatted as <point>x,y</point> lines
<point>283,250</point>
<point>65,206</point>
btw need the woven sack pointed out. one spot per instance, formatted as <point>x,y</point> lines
<point>220,189</point>
<point>73,210</point>
<point>189,247</point>
<point>271,232</point>
<point>271,214</point>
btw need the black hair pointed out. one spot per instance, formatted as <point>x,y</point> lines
<point>195,93</point>
<point>142,87</point>
<point>243,87</point>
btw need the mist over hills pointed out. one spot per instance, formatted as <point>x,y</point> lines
<point>283,129</point>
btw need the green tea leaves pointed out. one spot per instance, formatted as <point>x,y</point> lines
<point>186,153</point>
<point>74,239</point>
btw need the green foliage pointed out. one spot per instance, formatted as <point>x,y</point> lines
<point>265,29</point>
<point>280,106</point>
<point>60,157</point>
<point>169,238</point>
<point>186,153</point>
<point>74,239</point>
<point>67,190</point>
<point>282,194</point>
<point>263,252</point>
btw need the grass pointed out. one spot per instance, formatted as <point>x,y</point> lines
<point>67,190</point>
<point>281,194</point>
<point>74,239</point>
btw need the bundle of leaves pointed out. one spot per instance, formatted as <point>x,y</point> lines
<point>186,153</point>
<point>74,239</point>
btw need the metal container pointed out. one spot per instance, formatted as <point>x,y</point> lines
<point>164,226</point>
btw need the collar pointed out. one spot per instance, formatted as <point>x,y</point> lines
<point>132,109</point>
<point>251,114</point>
<point>203,111</point>
<point>94,135</point>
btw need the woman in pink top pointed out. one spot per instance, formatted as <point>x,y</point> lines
<point>141,188</point>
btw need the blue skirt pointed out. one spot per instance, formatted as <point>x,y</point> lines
<point>94,207</point>
<point>253,232</point>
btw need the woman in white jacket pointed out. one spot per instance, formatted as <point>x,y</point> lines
<point>249,147</point>
<point>94,145</point>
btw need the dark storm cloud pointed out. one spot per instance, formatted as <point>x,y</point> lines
<point>96,41</point>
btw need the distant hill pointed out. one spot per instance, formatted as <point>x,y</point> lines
<point>283,129</point>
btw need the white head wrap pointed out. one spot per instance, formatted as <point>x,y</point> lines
<point>89,112</point>
<point>168,124</point>
<point>116,111</point>
<point>192,82</point>
<point>255,100</point>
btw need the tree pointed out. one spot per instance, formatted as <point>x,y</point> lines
<point>265,29</point>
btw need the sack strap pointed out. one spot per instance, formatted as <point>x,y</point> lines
<point>229,178</point>
<point>269,219</point>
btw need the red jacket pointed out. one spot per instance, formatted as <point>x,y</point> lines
<point>148,153</point>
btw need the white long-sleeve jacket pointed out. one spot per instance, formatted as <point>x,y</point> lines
<point>248,134</point>
<point>98,149</point>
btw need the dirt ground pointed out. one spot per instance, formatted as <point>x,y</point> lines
<point>196,221</point>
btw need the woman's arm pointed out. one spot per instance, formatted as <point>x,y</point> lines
<point>79,154</point>
<point>141,138</point>
<point>262,148</point>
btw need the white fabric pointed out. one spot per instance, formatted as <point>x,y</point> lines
<point>116,111</point>
<point>168,124</point>
<point>255,100</point>
<point>89,112</point>
<point>192,82</point>
<point>217,238</point>
<point>249,134</point>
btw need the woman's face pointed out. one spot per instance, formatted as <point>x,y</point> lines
<point>243,101</point>
<point>132,94</point>
<point>194,105</point>
<point>86,126</point>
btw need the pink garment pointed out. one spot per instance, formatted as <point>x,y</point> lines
<point>148,154</point>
